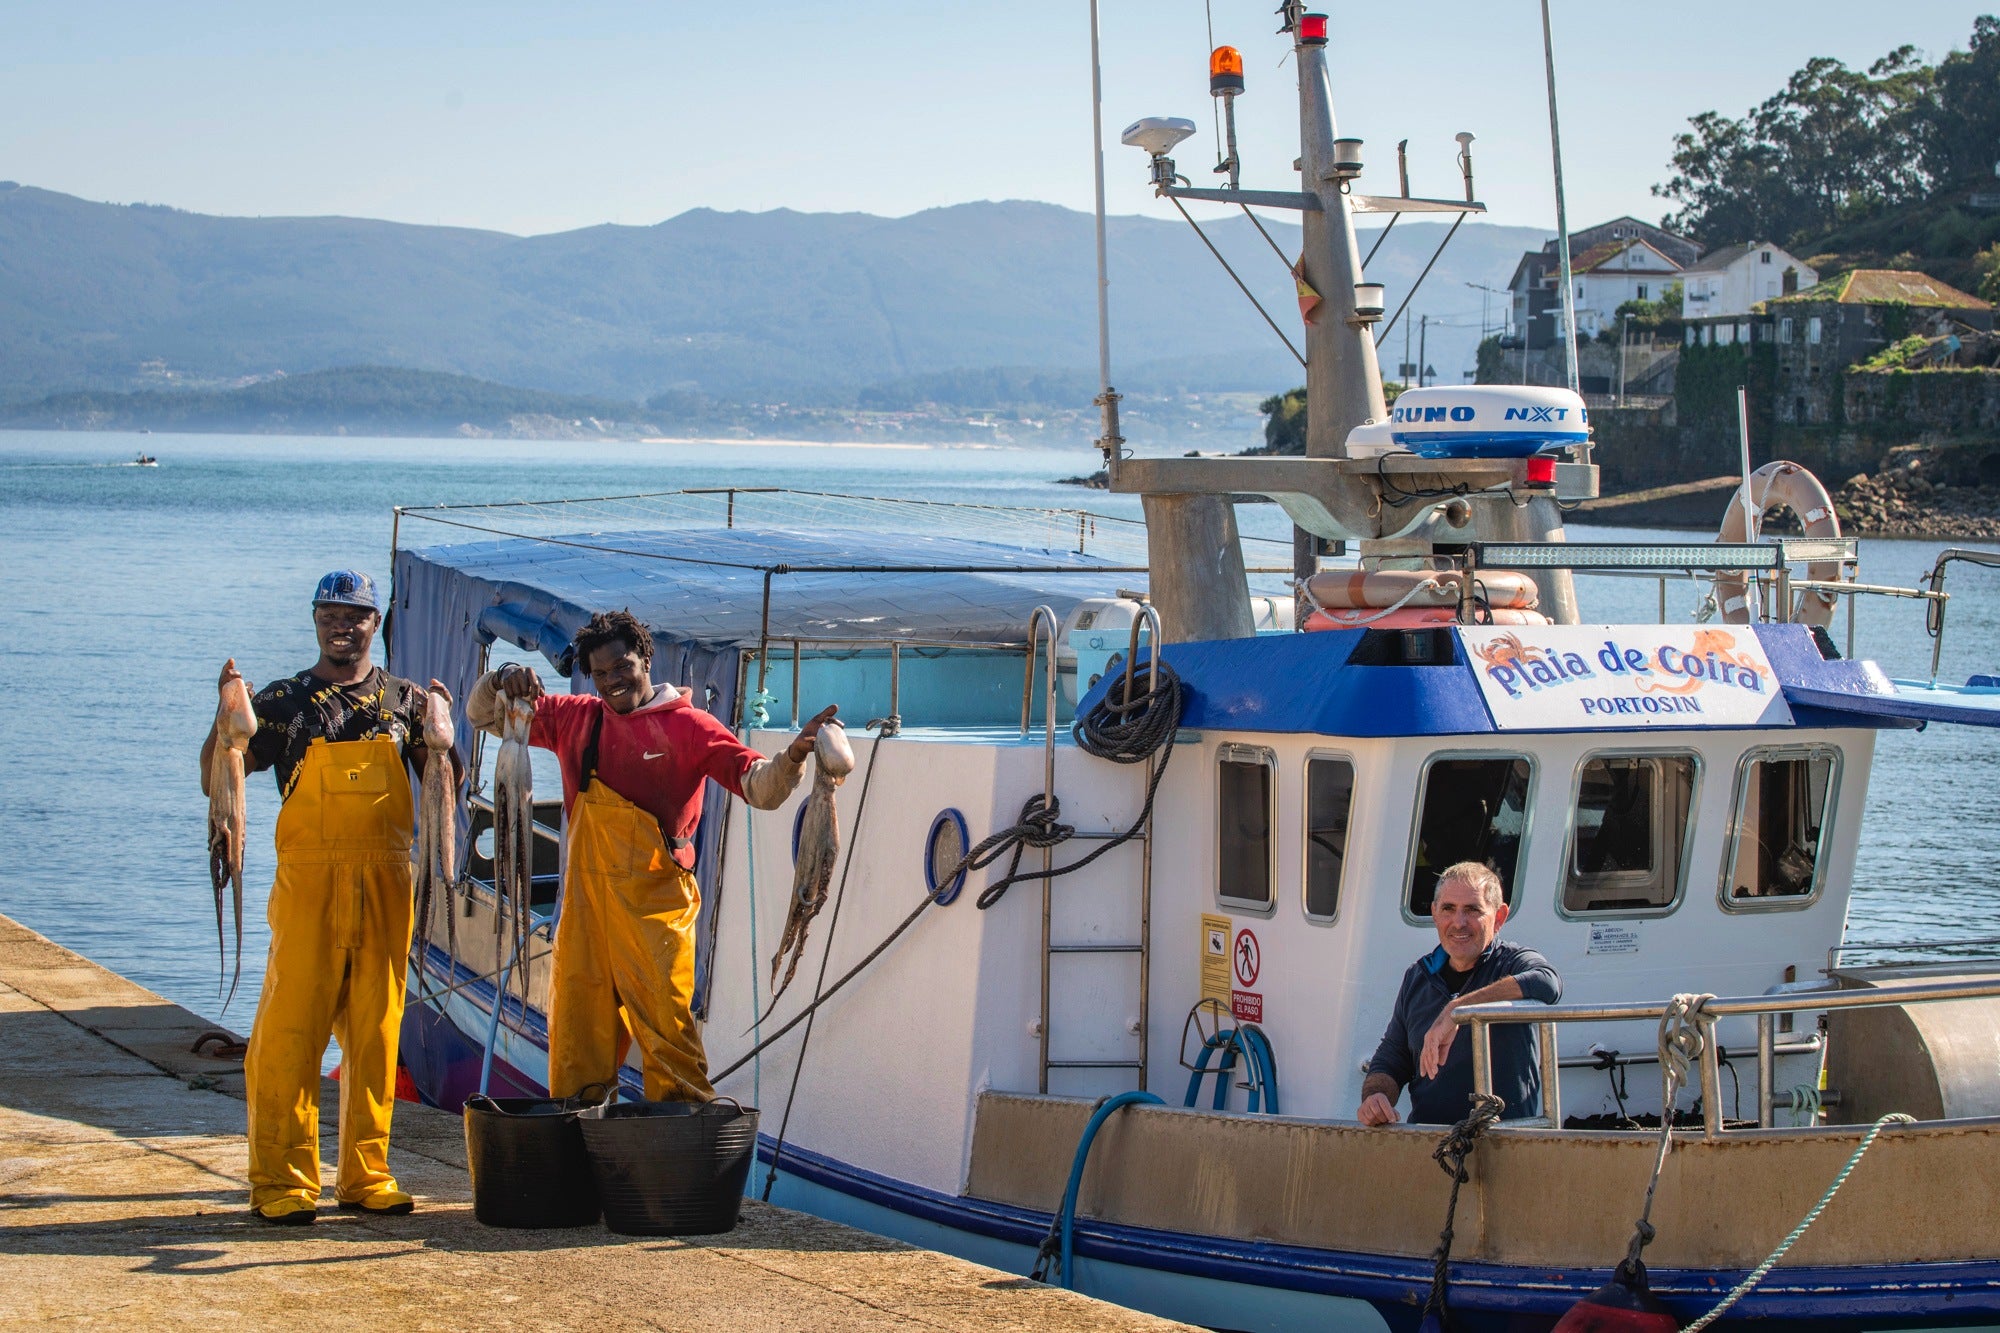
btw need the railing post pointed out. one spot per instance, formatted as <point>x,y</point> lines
<point>1482,1058</point>
<point>1711,1080</point>
<point>1551,1075</point>
<point>1766,1053</point>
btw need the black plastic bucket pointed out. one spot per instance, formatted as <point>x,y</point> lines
<point>670,1168</point>
<point>528,1164</point>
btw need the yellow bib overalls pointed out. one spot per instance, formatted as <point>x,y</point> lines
<point>624,955</point>
<point>340,916</point>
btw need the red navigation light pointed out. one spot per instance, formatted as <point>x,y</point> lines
<point>1541,471</point>
<point>1312,30</point>
<point>1225,71</point>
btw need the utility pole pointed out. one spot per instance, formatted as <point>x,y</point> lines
<point>1624,323</point>
<point>1423,331</point>
<point>1405,377</point>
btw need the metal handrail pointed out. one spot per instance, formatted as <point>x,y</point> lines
<point>1481,1017</point>
<point>1934,614</point>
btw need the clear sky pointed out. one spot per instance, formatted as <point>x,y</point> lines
<point>538,117</point>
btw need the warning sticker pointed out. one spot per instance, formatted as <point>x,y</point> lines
<point>1613,937</point>
<point>1249,957</point>
<point>1215,958</point>
<point>1246,1006</point>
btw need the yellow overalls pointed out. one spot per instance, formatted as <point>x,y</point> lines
<point>624,955</point>
<point>340,916</point>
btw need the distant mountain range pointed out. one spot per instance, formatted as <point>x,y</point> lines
<point>984,300</point>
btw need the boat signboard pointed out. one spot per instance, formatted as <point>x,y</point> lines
<point>1620,677</point>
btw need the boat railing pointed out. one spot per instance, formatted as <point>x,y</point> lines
<point>1481,1018</point>
<point>1765,566</point>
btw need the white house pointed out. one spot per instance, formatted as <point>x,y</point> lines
<point>1729,283</point>
<point>1610,274</point>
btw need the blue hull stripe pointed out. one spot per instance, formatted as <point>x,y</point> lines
<point>1954,1292</point>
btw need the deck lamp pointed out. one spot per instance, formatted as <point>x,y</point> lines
<point>1369,301</point>
<point>1312,30</point>
<point>1346,159</point>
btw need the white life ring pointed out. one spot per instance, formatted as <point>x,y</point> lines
<point>1375,588</point>
<point>1793,487</point>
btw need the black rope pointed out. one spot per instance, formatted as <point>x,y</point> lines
<point>1450,1155</point>
<point>826,955</point>
<point>1121,732</point>
<point>1113,731</point>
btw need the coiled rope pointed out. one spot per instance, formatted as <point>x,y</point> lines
<point>1680,1045</point>
<point>1124,733</point>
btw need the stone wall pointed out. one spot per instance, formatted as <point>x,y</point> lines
<point>1924,406</point>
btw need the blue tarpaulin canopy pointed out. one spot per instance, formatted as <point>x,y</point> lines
<point>709,595</point>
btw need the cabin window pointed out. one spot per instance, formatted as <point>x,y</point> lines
<point>1329,798</point>
<point>1779,833</point>
<point>1246,791</point>
<point>1470,808</point>
<point>1628,835</point>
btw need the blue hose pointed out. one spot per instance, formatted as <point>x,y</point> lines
<point>1061,1238</point>
<point>1250,1042</point>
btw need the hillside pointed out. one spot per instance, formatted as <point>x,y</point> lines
<point>805,308</point>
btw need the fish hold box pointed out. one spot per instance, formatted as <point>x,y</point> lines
<point>1487,421</point>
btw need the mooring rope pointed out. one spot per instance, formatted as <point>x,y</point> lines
<point>1450,1155</point>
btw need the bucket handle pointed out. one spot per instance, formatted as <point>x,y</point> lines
<point>581,1100</point>
<point>724,1097</point>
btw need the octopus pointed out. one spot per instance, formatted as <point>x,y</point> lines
<point>235,724</point>
<point>437,827</point>
<point>514,840</point>
<point>819,848</point>
<point>1507,650</point>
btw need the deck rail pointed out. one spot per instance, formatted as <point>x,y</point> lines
<point>1481,1018</point>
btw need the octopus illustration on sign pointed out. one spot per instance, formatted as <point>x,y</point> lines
<point>1597,676</point>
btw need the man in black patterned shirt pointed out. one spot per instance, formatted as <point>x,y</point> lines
<point>339,735</point>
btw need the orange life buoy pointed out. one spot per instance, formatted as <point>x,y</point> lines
<point>1336,588</point>
<point>1414,617</point>
<point>1793,487</point>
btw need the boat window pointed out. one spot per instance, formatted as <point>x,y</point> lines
<point>1329,797</point>
<point>1470,809</point>
<point>1245,791</point>
<point>1628,838</point>
<point>1782,798</point>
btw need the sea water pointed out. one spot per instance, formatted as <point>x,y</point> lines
<point>123,588</point>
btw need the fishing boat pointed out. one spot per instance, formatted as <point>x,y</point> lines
<point>1122,1046</point>
<point>144,459</point>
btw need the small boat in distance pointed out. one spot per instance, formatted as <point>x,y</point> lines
<point>145,459</point>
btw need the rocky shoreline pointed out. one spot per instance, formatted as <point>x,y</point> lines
<point>1902,501</point>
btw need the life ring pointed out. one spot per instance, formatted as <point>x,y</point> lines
<point>1377,588</point>
<point>1789,485</point>
<point>1414,617</point>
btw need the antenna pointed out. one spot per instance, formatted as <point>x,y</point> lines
<point>1107,398</point>
<point>1562,220</point>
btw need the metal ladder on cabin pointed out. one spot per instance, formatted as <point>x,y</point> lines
<point>1142,947</point>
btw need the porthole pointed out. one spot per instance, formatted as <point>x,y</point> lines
<point>944,848</point>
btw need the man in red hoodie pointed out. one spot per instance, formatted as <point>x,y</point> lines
<point>634,757</point>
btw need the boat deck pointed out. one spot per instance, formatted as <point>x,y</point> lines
<point>122,1162</point>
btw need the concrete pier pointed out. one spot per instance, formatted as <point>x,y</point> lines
<point>123,1204</point>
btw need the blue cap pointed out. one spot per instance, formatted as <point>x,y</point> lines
<point>346,587</point>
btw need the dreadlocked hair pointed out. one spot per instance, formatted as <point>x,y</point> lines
<point>613,627</point>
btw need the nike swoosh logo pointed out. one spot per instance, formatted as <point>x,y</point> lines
<point>650,755</point>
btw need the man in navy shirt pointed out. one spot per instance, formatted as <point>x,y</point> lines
<point>1424,1049</point>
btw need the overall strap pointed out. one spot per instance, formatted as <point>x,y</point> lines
<point>587,773</point>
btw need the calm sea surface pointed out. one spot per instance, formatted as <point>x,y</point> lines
<point>123,588</point>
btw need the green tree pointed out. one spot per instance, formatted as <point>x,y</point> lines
<point>1963,143</point>
<point>1836,145</point>
<point>1987,264</point>
<point>1285,419</point>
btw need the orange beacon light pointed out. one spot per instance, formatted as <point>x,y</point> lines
<point>1225,71</point>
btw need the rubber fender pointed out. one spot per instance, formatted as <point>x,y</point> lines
<point>1625,1304</point>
